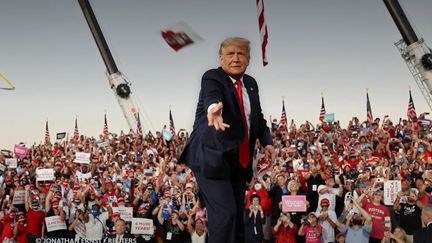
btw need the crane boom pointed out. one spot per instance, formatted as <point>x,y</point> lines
<point>414,51</point>
<point>119,85</point>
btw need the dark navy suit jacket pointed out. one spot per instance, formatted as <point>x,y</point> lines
<point>423,235</point>
<point>207,149</point>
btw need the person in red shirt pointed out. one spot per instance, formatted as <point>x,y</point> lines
<point>35,217</point>
<point>378,213</point>
<point>21,229</point>
<point>285,230</point>
<point>311,229</point>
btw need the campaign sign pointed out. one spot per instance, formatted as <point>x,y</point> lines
<point>11,163</point>
<point>294,203</point>
<point>18,197</point>
<point>391,188</point>
<point>125,212</point>
<point>141,226</point>
<point>54,223</point>
<point>82,176</point>
<point>82,158</point>
<point>20,151</point>
<point>45,174</point>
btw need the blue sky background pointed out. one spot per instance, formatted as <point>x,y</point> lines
<point>338,47</point>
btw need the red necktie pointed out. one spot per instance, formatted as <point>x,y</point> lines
<point>244,146</point>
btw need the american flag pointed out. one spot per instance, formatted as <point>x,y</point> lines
<point>322,111</point>
<point>411,113</point>
<point>172,127</point>
<point>262,29</point>
<point>368,110</point>
<point>76,133</point>
<point>105,128</point>
<point>47,135</point>
<point>283,120</point>
<point>139,128</point>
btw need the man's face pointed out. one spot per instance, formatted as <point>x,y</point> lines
<point>120,227</point>
<point>234,60</point>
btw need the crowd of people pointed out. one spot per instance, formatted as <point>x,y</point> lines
<point>133,190</point>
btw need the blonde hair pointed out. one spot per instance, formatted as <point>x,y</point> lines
<point>235,41</point>
<point>293,183</point>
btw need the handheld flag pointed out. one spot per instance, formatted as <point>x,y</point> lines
<point>76,133</point>
<point>105,131</point>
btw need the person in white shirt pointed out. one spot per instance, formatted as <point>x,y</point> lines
<point>328,191</point>
<point>327,219</point>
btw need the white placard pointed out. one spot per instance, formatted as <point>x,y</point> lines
<point>11,162</point>
<point>54,223</point>
<point>126,213</point>
<point>82,158</point>
<point>141,226</point>
<point>80,228</point>
<point>19,197</point>
<point>391,188</point>
<point>45,174</point>
<point>82,176</point>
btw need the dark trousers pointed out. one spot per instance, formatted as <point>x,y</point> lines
<point>224,199</point>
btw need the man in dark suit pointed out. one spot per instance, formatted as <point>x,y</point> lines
<point>120,235</point>
<point>425,235</point>
<point>228,121</point>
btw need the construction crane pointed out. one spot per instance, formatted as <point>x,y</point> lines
<point>414,51</point>
<point>118,83</point>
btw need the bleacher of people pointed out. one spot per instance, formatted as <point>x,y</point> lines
<point>131,187</point>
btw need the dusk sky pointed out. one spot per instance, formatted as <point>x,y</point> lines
<point>338,47</point>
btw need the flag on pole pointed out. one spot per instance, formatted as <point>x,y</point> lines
<point>322,111</point>
<point>263,30</point>
<point>139,128</point>
<point>76,133</point>
<point>105,128</point>
<point>411,113</point>
<point>47,135</point>
<point>172,127</point>
<point>368,110</point>
<point>283,120</point>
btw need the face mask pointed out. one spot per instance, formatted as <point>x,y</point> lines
<point>420,149</point>
<point>357,222</point>
<point>258,186</point>
<point>95,212</point>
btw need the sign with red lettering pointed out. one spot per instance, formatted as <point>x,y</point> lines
<point>294,203</point>
<point>391,188</point>
<point>18,198</point>
<point>142,226</point>
<point>54,223</point>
